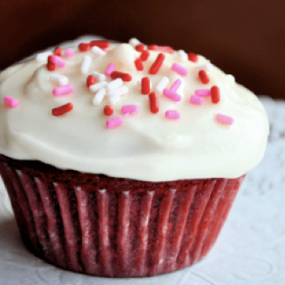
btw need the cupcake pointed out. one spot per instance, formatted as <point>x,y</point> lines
<point>123,160</point>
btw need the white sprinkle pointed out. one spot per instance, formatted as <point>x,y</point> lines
<point>134,42</point>
<point>115,84</point>
<point>114,99</point>
<point>97,51</point>
<point>231,78</point>
<point>118,91</point>
<point>139,83</point>
<point>99,76</point>
<point>99,96</point>
<point>43,56</point>
<point>182,55</point>
<point>61,79</point>
<point>207,66</point>
<point>85,64</point>
<point>161,84</point>
<point>95,87</point>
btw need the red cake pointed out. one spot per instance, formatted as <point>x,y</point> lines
<point>124,160</point>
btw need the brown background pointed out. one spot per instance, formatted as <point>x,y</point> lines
<point>244,38</point>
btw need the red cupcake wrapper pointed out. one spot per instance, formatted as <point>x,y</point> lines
<point>119,234</point>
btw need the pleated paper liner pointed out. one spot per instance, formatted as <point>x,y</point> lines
<point>159,228</point>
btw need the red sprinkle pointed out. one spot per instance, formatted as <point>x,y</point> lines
<point>139,64</point>
<point>153,102</point>
<point>144,55</point>
<point>124,76</point>
<point>62,109</point>
<point>90,80</point>
<point>100,44</point>
<point>145,86</point>
<point>157,64</point>
<point>215,94</point>
<point>50,64</point>
<point>57,51</point>
<point>139,47</point>
<point>192,57</point>
<point>108,111</point>
<point>161,48</point>
<point>203,76</point>
<point>83,47</point>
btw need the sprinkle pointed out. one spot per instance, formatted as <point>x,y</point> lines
<point>114,99</point>
<point>11,102</point>
<point>134,42</point>
<point>139,47</point>
<point>171,95</point>
<point>50,64</point>
<point>176,85</point>
<point>182,55</point>
<point>125,76</point>
<point>207,66</point>
<point>181,70</point>
<point>145,85</point>
<point>192,57</point>
<point>99,96</point>
<point>172,114</point>
<point>99,76</point>
<point>90,81</point>
<point>139,83</point>
<point>69,52</point>
<point>129,109</point>
<point>61,79</point>
<point>166,49</point>
<point>62,90</point>
<point>97,86</point>
<point>225,119</point>
<point>108,111</point>
<point>139,64</point>
<point>62,109</point>
<point>153,102</point>
<point>43,56</point>
<point>100,44</point>
<point>57,60</point>
<point>203,76</point>
<point>197,100</point>
<point>114,122</point>
<point>157,64</point>
<point>161,84</point>
<point>97,51</point>
<point>115,84</point>
<point>118,91</point>
<point>144,55</point>
<point>83,47</point>
<point>203,92</point>
<point>215,94</point>
<point>110,68</point>
<point>57,51</point>
<point>85,64</point>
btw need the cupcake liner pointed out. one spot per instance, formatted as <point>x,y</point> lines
<point>159,228</point>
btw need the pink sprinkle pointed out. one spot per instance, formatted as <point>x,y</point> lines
<point>114,122</point>
<point>111,67</point>
<point>172,114</point>
<point>225,119</point>
<point>11,102</point>
<point>130,109</point>
<point>203,92</point>
<point>197,100</point>
<point>57,60</point>
<point>179,69</point>
<point>171,95</point>
<point>176,85</point>
<point>69,52</point>
<point>62,90</point>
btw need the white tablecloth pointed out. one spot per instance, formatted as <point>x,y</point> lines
<point>250,249</point>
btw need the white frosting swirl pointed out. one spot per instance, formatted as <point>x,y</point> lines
<point>146,146</point>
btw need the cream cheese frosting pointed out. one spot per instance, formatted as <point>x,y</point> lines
<point>146,146</point>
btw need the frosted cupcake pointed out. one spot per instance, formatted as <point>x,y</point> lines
<point>123,160</point>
